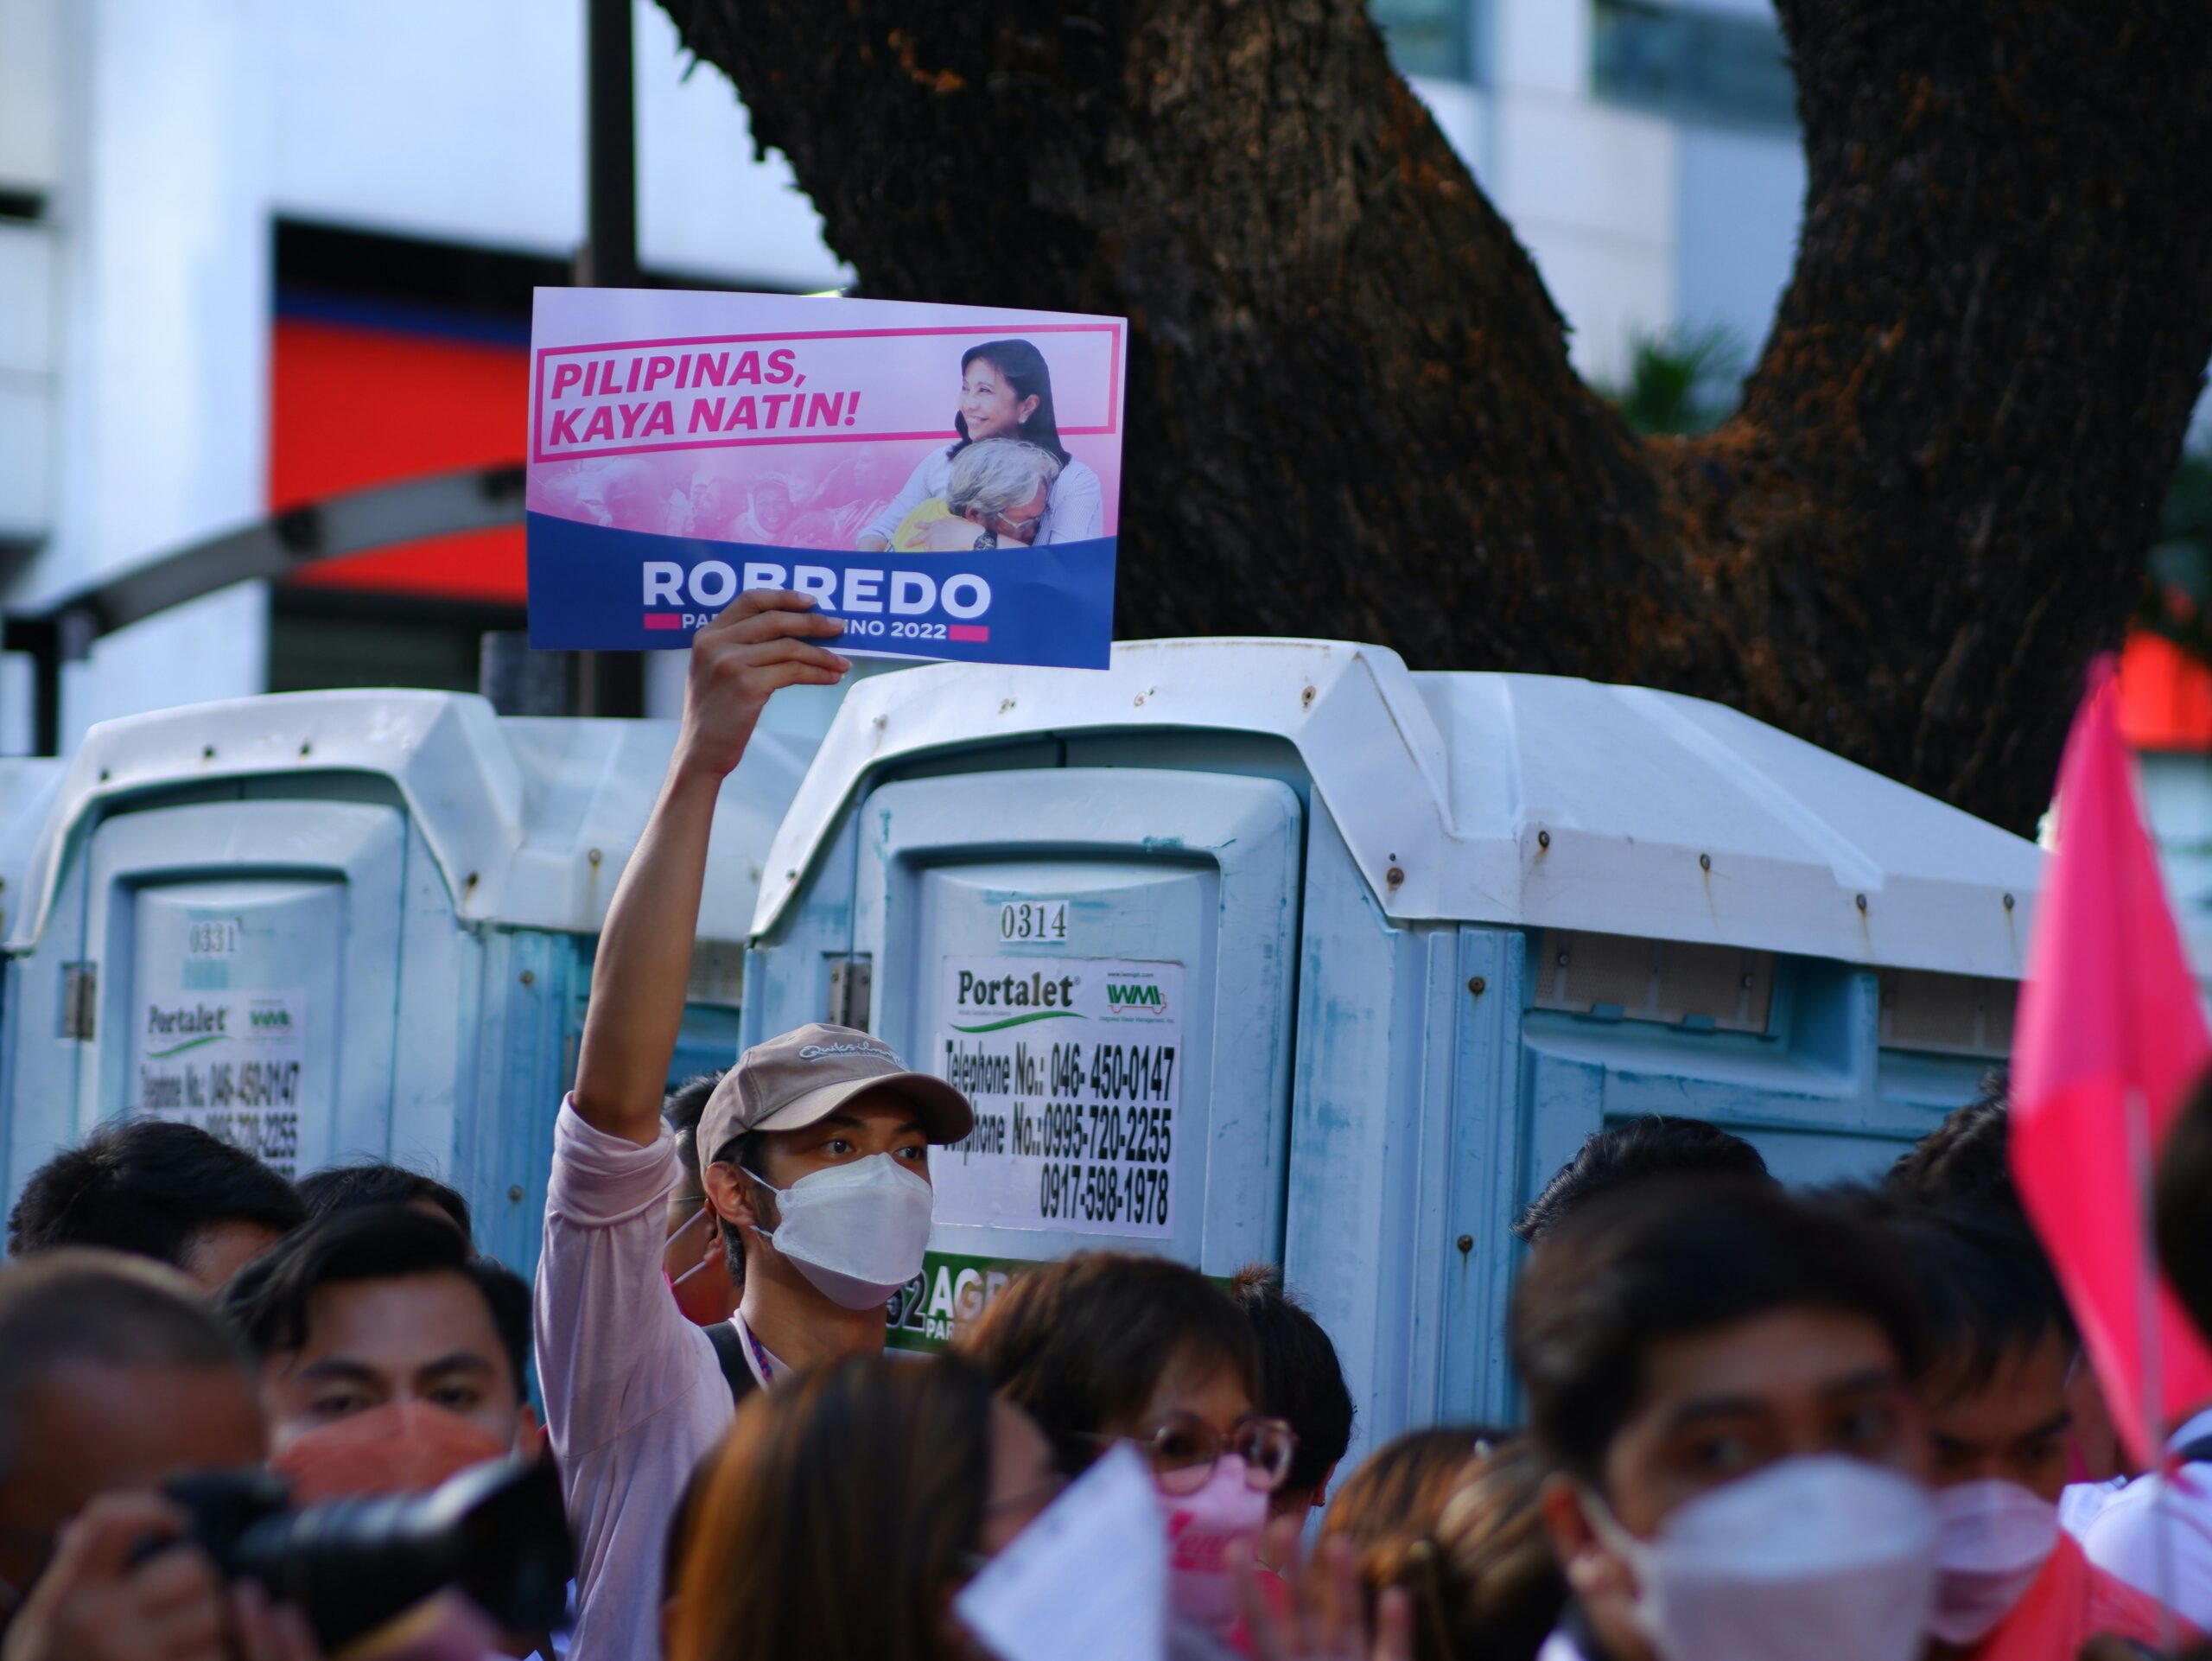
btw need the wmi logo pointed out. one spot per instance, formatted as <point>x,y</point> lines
<point>1135,999</point>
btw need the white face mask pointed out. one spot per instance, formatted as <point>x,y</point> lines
<point>857,1231</point>
<point>1816,1559</point>
<point>1993,1539</point>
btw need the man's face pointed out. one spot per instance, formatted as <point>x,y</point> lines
<point>426,1338</point>
<point>221,1249</point>
<point>2012,1428</point>
<point>876,1122</point>
<point>92,1428</point>
<point>1720,1405</point>
<point>1717,1407</point>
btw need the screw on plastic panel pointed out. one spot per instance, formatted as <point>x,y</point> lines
<point>1306,698</point>
<point>307,748</point>
<point>206,752</point>
<point>1862,899</point>
<point>1478,985</point>
<point>528,978</point>
<point>595,855</point>
<point>1705,861</point>
<point>469,884</point>
<point>1467,1244</point>
<point>2008,902</point>
<point>515,1194</point>
<point>1543,838</point>
<point>103,775</point>
<point>1395,876</point>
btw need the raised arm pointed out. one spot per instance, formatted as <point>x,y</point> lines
<point>764,642</point>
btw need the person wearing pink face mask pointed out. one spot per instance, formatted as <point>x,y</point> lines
<point>1111,1346</point>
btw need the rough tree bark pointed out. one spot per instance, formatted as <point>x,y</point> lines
<point>1350,411</point>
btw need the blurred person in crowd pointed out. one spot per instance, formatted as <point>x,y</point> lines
<point>697,1267</point>
<point>383,1306</point>
<point>2012,1585</point>
<point>1497,1589</point>
<point>1400,1490</point>
<point>157,1189</point>
<point>1109,1347</point>
<point>2156,1534</point>
<point>843,1513</point>
<point>115,1377</point>
<point>374,1182</point>
<point>1721,1378</point>
<point>1006,392</point>
<point>1656,1145</point>
<point>1965,1160</point>
<point>1302,1382</point>
<point>814,1154</point>
<point>1451,1517</point>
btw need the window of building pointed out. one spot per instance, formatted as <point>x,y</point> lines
<point>1428,37</point>
<point>1694,64</point>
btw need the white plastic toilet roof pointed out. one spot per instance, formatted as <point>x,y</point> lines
<point>1520,799</point>
<point>530,820</point>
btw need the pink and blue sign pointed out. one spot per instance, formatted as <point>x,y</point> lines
<point>945,479</point>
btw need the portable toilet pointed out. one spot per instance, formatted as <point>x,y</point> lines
<point>28,786</point>
<point>330,925</point>
<point>1274,950</point>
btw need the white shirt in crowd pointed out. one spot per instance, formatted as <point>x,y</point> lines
<point>1075,507</point>
<point>2124,1538</point>
<point>634,1397</point>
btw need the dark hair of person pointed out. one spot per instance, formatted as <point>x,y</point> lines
<point>1300,1378</point>
<point>681,1109</point>
<point>1025,370</point>
<point>1987,1292</point>
<point>1082,1345</point>
<point>147,1187</point>
<point>868,1465</point>
<point>80,1305</point>
<point>1496,1590</point>
<point>1656,1145</point>
<point>1662,1260</point>
<point>2182,1193</point>
<point>375,1182</point>
<point>1398,1493</point>
<point>267,1301</point>
<point>1967,1157</point>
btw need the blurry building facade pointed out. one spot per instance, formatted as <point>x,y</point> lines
<point>253,252</point>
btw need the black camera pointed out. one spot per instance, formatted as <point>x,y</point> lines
<point>497,1532</point>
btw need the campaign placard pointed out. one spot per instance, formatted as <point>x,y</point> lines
<point>944,480</point>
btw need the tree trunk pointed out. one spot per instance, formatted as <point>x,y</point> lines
<point>1350,411</point>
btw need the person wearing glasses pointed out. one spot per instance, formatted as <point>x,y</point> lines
<point>1109,1347</point>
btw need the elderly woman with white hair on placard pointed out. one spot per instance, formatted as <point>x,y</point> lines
<point>997,497</point>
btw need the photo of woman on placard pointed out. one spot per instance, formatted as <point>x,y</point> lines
<point>1006,392</point>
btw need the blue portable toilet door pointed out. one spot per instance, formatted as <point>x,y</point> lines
<point>1103,960</point>
<point>250,963</point>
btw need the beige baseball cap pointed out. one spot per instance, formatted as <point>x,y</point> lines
<point>806,1074</point>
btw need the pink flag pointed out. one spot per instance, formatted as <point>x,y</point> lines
<point>2110,1037</point>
